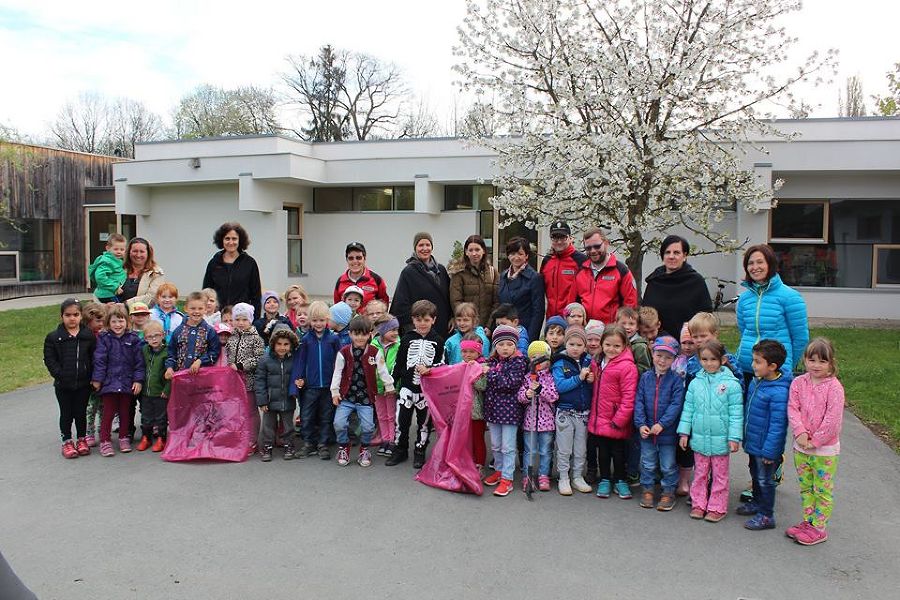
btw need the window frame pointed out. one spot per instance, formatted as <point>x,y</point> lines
<point>826,215</point>
<point>15,279</point>
<point>289,237</point>
<point>875,249</point>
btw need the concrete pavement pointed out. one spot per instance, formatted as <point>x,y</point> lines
<point>135,527</point>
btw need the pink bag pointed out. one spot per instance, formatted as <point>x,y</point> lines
<point>449,393</point>
<point>209,416</point>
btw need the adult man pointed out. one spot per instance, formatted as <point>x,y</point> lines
<point>559,268</point>
<point>603,283</point>
<point>358,274</point>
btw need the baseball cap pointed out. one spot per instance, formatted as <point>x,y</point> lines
<point>560,227</point>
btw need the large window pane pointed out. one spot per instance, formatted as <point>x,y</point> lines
<point>799,221</point>
<point>293,220</point>
<point>459,197</point>
<point>373,198</point>
<point>483,194</point>
<point>8,265</point>
<point>486,231</point>
<point>37,241</point>
<point>825,265</point>
<point>332,199</point>
<point>868,221</point>
<point>887,266</point>
<point>404,197</point>
<point>295,257</point>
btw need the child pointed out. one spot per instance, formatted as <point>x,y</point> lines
<point>223,331</point>
<point>94,319</point>
<point>627,319</point>
<point>353,296</point>
<point>815,412</point>
<point>648,324</point>
<point>506,370</point>
<point>506,314</point>
<point>765,425</point>
<point>594,332</point>
<point>539,422</point>
<point>357,368</point>
<point>68,356</point>
<point>107,272</point>
<point>575,314</point>
<point>338,319</point>
<point>704,327</point>
<point>657,408</point>
<point>140,316</point>
<point>375,309</point>
<point>387,342</point>
<point>311,375</point>
<point>270,317</point>
<point>612,411</point>
<point>194,344</point>
<point>244,350</point>
<point>466,319</point>
<point>297,301</point>
<point>165,309</point>
<point>684,458</point>
<point>420,349</point>
<point>227,317</point>
<point>118,376</point>
<point>688,349</point>
<point>272,386</point>
<point>555,332</point>
<point>211,314</point>
<point>712,418</point>
<point>472,350</point>
<point>573,378</point>
<point>154,421</point>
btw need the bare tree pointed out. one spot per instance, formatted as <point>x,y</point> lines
<point>478,122</point>
<point>850,101</point>
<point>211,111</point>
<point>81,124</point>
<point>130,122</point>
<point>418,121</point>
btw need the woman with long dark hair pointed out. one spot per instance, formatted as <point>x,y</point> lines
<point>474,279</point>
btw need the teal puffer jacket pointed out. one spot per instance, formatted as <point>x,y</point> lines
<point>771,311</point>
<point>713,412</point>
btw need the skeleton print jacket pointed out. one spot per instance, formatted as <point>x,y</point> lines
<point>416,350</point>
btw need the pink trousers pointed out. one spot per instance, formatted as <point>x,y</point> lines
<point>385,406</point>
<point>705,468</point>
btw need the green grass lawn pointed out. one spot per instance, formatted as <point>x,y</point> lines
<point>867,359</point>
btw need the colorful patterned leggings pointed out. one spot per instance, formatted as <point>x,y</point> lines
<point>94,414</point>
<point>816,476</point>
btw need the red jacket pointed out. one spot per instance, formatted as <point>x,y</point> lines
<point>368,360</point>
<point>611,289</point>
<point>612,408</point>
<point>371,283</point>
<point>559,271</point>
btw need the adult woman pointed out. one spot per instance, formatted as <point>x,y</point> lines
<point>143,275</point>
<point>474,279</point>
<point>232,272</point>
<point>423,278</point>
<point>769,309</point>
<point>523,287</point>
<point>675,289</point>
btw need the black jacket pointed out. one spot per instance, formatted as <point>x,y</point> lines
<point>417,283</point>
<point>676,296</point>
<point>70,359</point>
<point>416,350</point>
<point>235,282</point>
<point>273,380</point>
<point>526,293</point>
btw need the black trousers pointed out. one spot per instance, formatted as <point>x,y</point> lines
<point>592,452</point>
<point>72,407</point>
<point>404,420</point>
<point>154,416</point>
<point>615,451</point>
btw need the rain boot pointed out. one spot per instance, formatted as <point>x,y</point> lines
<point>684,482</point>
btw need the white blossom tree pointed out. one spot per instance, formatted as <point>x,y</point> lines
<point>629,114</point>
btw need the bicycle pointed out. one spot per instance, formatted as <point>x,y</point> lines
<point>720,301</point>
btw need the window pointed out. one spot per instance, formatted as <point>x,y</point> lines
<point>468,197</point>
<point>35,246</point>
<point>382,198</point>
<point>332,199</point>
<point>800,221</point>
<point>294,239</point>
<point>404,197</point>
<point>486,231</point>
<point>885,265</point>
<point>9,266</point>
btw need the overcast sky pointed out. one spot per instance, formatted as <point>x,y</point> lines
<point>55,49</point>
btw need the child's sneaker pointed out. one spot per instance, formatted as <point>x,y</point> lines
<point>525,484</point>
<point>82,447</point>
<point>324,453</point>
<point>713,516</point>
<point>565,487</point>
<point>388,451</point>
<point>544,483</point>
<point>747,509</point>
<point>343,456</point>
<point>505,487</point>
<point>634,479</point>
<point>747,496</point>
<point>604,488</point>
<point>159,444</point>
<point>793,530</point>
<point>288,452</point>
<point>697,513</point>
<point>381,450</point>
<point>647,499</point>
<point>124,445</point>
<point>144,443</point>
<point>91,440</point>
<point>68,449</point>
<point>623,490</point>
<point>306,450</point>
<point>666,502</point>
<point>365,457</point>
<point>811,535</point>
<point>760,522</point>
<point>418,458</point>
<point>493,479</point>
<point>106,449</point>
<point>581,485</point>
<point>266,454</point>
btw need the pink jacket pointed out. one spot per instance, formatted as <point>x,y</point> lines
<point>817,410</point>
<point>546,420</point>
<point>615,387</point>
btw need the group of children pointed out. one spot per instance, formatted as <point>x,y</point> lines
<point>605,403</point>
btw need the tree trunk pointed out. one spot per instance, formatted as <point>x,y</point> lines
<point>634,245</point>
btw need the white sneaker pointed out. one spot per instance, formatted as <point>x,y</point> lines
<point>581,485</point>
<point>564,488</point>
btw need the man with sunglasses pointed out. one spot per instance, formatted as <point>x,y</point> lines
<point>604,283</point>
<point>358,274</point>
<point>559,268</point>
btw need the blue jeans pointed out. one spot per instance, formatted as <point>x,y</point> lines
<point>544,442</point>
<point>663,455</point>
<point>366,417</point>
<point>762,477</point>
<point>503,445</point>
<point>317,415</point>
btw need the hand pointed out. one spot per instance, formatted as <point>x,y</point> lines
<point>529,393</point>
<point>485,368</point>
<point>135,388</point>
<point>195,366</point>
<point>169,374</point>
<point>95,385</point>
<point>336,400</point>
<point>683,442</point>
<point>534,384</point>
<point>803,440</point>
<point>767,461</point>
<point>656,429</point>
<point>583,375</point>
<point>233,367</point>
<point>119,290</point>
<point>163,395</point>
<point>644,431</point>
<point>591,377</point>
<point>299,383</point>
<point>734,446</point>
<point>264,408</point>
<point>421,369</point>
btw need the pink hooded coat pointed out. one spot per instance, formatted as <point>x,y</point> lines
<point>615,387</point>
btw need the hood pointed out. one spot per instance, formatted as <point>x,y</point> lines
<point>773,284</point>
<point>723,374</point>
<point>782,382</point>
<point>659,275</point>
<point>625,357</point>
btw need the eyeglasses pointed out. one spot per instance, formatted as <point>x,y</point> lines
<point>355,257</point>
<point>594,247</point>
<point>153,336</point>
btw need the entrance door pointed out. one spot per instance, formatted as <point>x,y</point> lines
<point>101,222</point>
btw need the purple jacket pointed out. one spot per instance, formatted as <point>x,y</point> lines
<point>504,379</point>
<point>546,415</point>
<point>118,362</point>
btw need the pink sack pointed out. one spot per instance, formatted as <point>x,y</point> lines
<point>209,416</point>
<point>449,393</point>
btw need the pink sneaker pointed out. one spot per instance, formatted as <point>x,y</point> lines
<point>792,531</point>
<point>68,449</point>
<point>106,449</point>
<point>91,440</point>
<point>544,483</point>
<point>124,445</point>
<point>811,535</point>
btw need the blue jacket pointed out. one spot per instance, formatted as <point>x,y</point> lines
<point>452,351</point>
<point>343,337</point>
<point>193,342</point>
<point>314,362</point>
<point>574,394</point>
<point>713,412</point>
<point>526,293</point>
<point>772,311</point>
<point>659,400</point>
<point>765,416</point>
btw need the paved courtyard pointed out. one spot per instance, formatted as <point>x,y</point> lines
<point>135,527</point>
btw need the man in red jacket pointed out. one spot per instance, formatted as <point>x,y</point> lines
<point>603,283</point>
<point>559,269</point>
<point>358,274</point>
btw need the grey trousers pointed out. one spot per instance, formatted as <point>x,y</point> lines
<point>571,439</point>
<point>270,424</point>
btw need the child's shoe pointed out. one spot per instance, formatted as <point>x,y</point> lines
<point>760,522</point>
<point>713,516</point>
<point>388,451</point>
<point>793,530</point>
<point>647,498</point>
<point>397,456</point>
<point>381,450</point>
<point>124,445</point>
<point>505,487</point>
<point>266,454</point>
<point>811,535</point>
<point>324,453</point>
<point>623,490</point>
<point>634,479</point>
<point>544,483</point>
<point>747,495</point>
<point>418,458</point>
<point>91,440</point>
<point>590,477</point>
<point>365,457</point>
<point>581,485</point>
<point>747,509</point>
<point>697,513</point>
<point>82,447</point>
<point>144,443</point>
<point>565,487</point>
<point>288,452</point>
<point>68,449</point>
<point>493,479</point>
<point>159,444</point>
<point>666,502</point>
<point>525,484</point>
<point>343,456</point>
<point>306,450</point>
<point>684,482</point>
<point>604,488</point>
<point>106,449</point>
